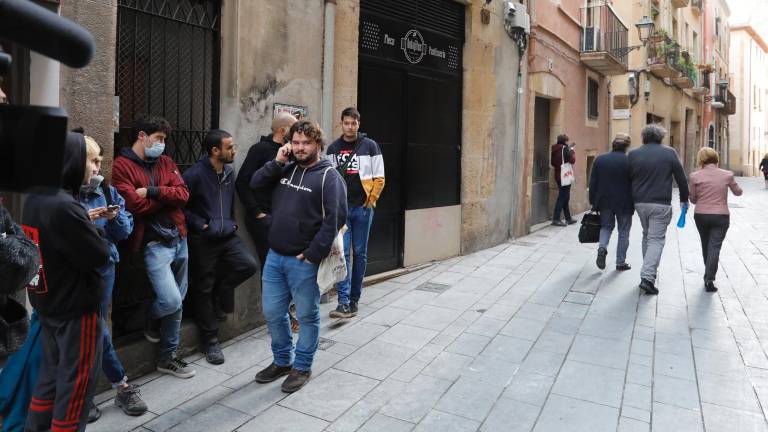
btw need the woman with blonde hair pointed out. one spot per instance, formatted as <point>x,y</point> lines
<point>764,168</point>
<point>709,192</point>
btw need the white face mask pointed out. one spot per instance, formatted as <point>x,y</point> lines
<point>155,151</point>
<point>93,184</point>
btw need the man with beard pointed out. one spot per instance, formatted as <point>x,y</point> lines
<point>219,261</point>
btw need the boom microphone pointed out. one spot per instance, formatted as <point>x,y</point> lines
<point>41,30</point>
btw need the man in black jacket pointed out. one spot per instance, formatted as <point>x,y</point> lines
<point>218,258</point>
<point>66,294</point>
<point>610,192</point>
<point>258,202</point>
<point>310,206</point>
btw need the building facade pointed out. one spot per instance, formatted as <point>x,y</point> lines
<point>749,126</point>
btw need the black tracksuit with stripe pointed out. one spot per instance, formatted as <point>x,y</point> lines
<point>66,293</point>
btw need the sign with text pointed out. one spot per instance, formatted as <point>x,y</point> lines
<point>298,111</point>
<point>408,44</point>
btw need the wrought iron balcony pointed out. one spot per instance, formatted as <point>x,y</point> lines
<point>663,56</point>
<point>688,73</point>
<point>603,40</point>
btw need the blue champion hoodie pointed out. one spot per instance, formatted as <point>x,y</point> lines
<point>298,226</point>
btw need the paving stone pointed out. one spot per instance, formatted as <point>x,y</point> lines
<point>720,418</point>
<point>432,317</point>
<point>255,398</point>
<point>468,344</point>
<point>407,336</point>
<point>501,312</point>
<point>279,419</point>
<point>671,418</point>
<point>216,417</point>
<point>562,413</point>
<point>600,351</point>
<point>414,300</point>
<point>199,403</point>
<point>529,387</point>
<point>313,399</point>
<point>363,410</point>
<point>511,416</point>
<point>486,327</point>
<point>410,370</point>
<point>572,310</point>
<point>627,424</point>
<point>675,366</point>
<point>579,298</point>
<point>591,383</point>
<point>719,363</point>
<point>437,421</point>
<point>729,391</point>
<point>168,392</point>
<point>523,328</point>
<point>359,334</point>
<point>387,316</point>
<point>607,327</point>
<point>113,419</point>
<point>470,398</point>
<point>456,300</point>
<point>509,348</point>
<point>382,423</point>
<point>562,324</point>
<point>543,362</point>
<point>448,366</point>
<point>418,398</point>
<point>677,392</point>
<point>491,370</point>
<point>636,414</point>
<point>638,396</point>
<point>554,342</point>
<point>161,423</point>
<point>240,356</point>
<point>536,312</point>
<point>376,360</point>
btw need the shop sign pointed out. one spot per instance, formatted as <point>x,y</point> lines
<point>298,111</point>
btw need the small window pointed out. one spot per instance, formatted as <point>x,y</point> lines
<point>592,90</point>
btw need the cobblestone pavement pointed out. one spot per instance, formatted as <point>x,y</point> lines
<point>526,336</point>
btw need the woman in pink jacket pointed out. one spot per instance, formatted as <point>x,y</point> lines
<point>709,192</point>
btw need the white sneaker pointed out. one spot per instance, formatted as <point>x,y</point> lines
<point>175,367</point>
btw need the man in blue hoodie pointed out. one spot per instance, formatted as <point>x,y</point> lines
<point>309,206</point>
<point>218,258</point>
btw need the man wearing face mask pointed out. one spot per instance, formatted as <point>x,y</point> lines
<point>155,194</point>
<point>218,258</point>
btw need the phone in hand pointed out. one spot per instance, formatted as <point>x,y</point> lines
<point>113,208</point>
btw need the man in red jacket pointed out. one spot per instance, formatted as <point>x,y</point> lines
<point>155,193</point>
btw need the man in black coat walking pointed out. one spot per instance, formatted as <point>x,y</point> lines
<point>610,192</point>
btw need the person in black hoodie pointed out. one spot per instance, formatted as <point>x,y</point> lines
<point>309,207</point>
<point>66,294</point>
<point>219,261</point>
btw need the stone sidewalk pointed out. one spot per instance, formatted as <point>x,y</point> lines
<point>526,336</point>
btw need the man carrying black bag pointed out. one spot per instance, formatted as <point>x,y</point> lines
<point>610,192</point>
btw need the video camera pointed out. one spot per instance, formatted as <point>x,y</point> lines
<point>32,137</point>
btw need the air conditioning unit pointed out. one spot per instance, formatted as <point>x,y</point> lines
<point>591,39</point>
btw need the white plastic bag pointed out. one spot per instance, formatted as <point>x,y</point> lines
<point>333,268</point>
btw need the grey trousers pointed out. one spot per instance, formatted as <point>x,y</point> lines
<point>654,219</point>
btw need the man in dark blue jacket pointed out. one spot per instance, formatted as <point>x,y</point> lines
<point>219,261</point>
<point>309,206</point>
<point>610,192</point>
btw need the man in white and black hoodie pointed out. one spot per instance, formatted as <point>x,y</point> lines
<point>309,206</point>
<point>66,294</point>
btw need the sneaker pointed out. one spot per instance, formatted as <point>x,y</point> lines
<point>570,221</point>
<point>623,267</point>
<point>709,286</point>
<point>271,373</point>
<point>129,400</point>
<point>296,380</point>
<point>353,308</point>
<point>341,311</point>
<point>648,287</point>
<point>94,413</point>
<point>213,354</point>
<point>601,254</point>
<point>176,367</point>
<point>559,223</point>
<point>152,329</point>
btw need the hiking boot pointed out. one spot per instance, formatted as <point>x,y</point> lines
<point>296,380</point>
<point>341,311</point>
<point>152,329</point>
<point>648,287</point>
<point>601,254</point>
<point>271,373</point>
<point>623,267</point>
<point>176,367</point>
<point>213,354</point>
<point>709,286</point>
<point>129,400</point>
<point>94,413</point>
<point>353,308</point>
<point>559,223</point>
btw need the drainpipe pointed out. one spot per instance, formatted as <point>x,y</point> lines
<point>328,65</point>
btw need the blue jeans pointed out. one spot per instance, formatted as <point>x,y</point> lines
<point>359,221</point>
<point>167,270</point>
<point>608,220</point>
<point>285,278</point>
<point>111,365</point>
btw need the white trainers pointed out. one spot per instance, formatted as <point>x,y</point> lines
<point>175,367</point>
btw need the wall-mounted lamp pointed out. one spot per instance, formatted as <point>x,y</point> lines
<point>645,28</point>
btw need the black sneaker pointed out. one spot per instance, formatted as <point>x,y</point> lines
<point>601,254</point>
<point>709,286</point>
<point>341,311</point>
<point>152,329</point>
<point>623,267</point>
<point>559,223</point>
<point>94,413</point>
<point>213,354</point>
<point>648,287</point>
<point>296,380</point>
<point>129,400</point>
<point>271,373</point>
<point>176,367</point>
<point>353,308</point>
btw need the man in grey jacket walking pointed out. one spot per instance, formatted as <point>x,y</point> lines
<point>651,168</point>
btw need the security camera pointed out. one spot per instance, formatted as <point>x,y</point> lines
<point>516,19</point>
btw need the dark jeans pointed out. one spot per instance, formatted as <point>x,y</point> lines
<point>712,229</point>
<point>561,205</point>
<point>110,363</point>
<point>258,229</point>
<point>216,265</point>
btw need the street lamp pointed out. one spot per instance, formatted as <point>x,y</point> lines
<point>645,29</point>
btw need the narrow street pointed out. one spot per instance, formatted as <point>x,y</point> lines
<point>526,336</point>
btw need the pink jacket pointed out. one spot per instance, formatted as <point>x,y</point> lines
<point>709,189</point>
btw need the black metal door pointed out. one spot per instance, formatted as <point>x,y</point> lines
<point>168,65</point>
<point>540,189</point>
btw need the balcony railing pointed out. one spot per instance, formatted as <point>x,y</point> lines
<point>603,32</point>
<point>663,56</point>
<point>686,66</point>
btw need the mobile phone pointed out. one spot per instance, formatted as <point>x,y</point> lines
<point>113,208</point>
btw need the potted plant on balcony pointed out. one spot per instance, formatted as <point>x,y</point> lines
<point>659,36</point>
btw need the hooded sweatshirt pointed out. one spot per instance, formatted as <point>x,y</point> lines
<point>298,198</point>
<point>211,200</point>
<point>260,200</point>
<point>72,249</point>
